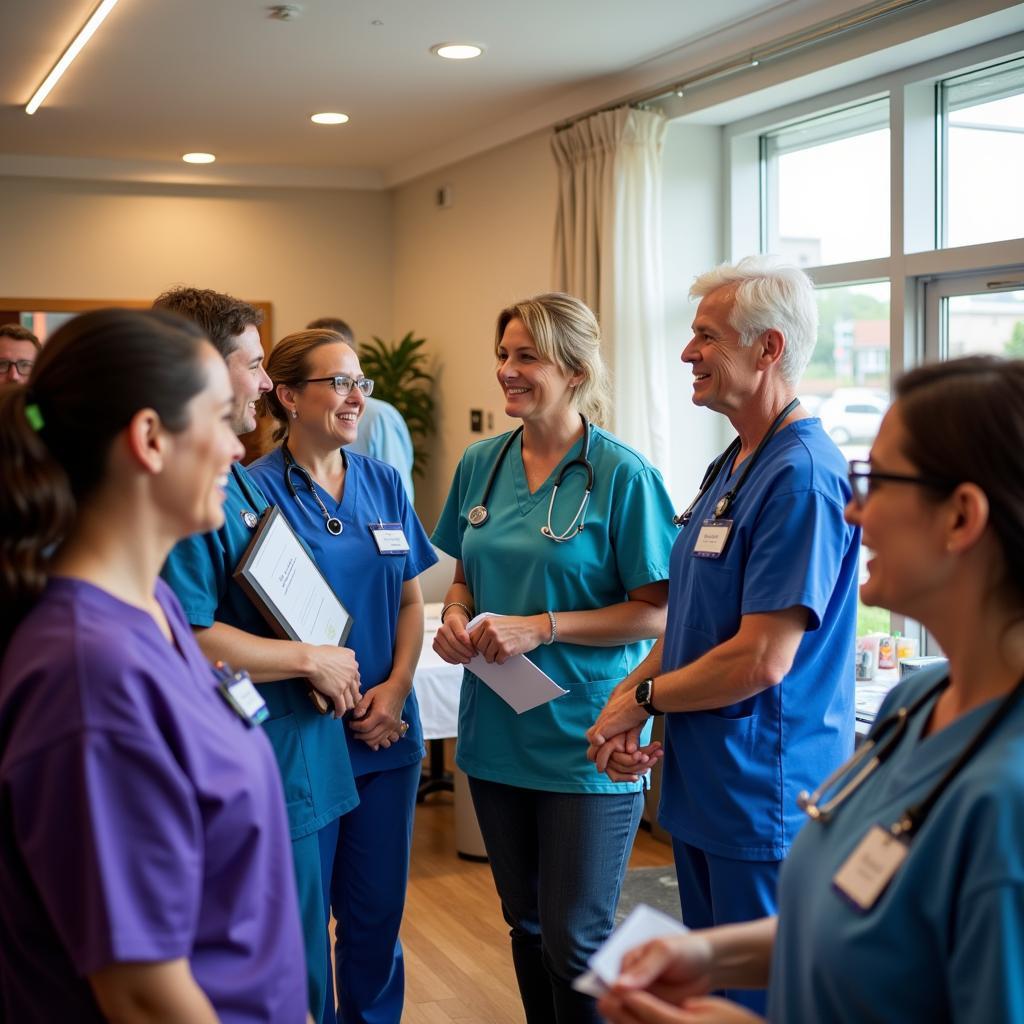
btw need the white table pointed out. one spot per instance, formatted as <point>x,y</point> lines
<point>437,687</point>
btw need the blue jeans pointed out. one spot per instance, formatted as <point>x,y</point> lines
<point>558,861</point>
<point>370,850</point>
<point>719,890</point>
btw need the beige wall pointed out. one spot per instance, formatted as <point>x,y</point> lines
<point>308,252</point>
<point>454,270</point>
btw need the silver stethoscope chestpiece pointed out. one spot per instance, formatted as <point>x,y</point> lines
<point>334,526</point>
<point>477,515</point>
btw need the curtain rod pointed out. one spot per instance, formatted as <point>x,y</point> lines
<point>782,47</point>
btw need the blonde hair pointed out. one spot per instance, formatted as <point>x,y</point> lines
<point>289,365</point>
<point>565,330</point>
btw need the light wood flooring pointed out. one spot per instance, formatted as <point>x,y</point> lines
<point>458,964</point>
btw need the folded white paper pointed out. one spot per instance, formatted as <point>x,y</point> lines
<point>643,924</point>
<point>518,682</point>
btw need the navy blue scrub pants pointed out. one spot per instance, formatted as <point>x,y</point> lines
<point>719,890</point>
<point>370,848</point>
<point>558,861</point>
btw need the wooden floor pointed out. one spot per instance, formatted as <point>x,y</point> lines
<point>458,964</point>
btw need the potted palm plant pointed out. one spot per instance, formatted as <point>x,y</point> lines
<point>398,370</point>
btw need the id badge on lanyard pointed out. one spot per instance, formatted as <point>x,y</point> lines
<point>241,695</point>
<point>390,538</point>
<point>713,536</point>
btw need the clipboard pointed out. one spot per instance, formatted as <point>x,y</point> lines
<point>280,577</point>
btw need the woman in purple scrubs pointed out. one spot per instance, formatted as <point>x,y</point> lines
<point>145,866</point>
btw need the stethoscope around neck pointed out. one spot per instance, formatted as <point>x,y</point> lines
<point>332,523</point>
<point>724,503</point>
<point>478,515</point>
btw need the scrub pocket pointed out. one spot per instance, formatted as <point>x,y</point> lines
<point>283,734</point>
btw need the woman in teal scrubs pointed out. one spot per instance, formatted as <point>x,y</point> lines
<point>578,584</point>
<point>353,513</point>
<point>902,898</point>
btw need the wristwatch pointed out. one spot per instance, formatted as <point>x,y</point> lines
<point>644,694</point>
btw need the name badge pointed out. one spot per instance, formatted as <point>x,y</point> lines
<point>241,695</point>
<point>712,538</point>
<point>390,538</point>
<point>867,872</point>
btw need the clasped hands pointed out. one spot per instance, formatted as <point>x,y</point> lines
<point>614,739</point>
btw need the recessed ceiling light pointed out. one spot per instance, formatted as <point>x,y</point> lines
<point>329,118</point>
<point>199,158</point>
<point>457,51</point>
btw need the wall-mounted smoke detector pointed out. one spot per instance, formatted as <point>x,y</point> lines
<point>284,12</point>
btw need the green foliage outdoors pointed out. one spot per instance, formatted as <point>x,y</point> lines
<point>1014,348</point>
<point>399,375</point>
<point>836,304</point>
<point>872,620</point>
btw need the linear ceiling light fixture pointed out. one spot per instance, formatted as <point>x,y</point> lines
<point>77,44</point>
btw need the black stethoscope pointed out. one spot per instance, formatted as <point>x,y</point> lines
<point>724,503</point>
<point>333,523</point>
<point>846,779</point>
<point>478,515</point>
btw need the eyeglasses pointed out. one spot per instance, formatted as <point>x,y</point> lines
<point>23,366</point>
<point>343,385</point>
<point>861,476</point>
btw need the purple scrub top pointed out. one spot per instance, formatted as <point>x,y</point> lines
<point>140,818</point>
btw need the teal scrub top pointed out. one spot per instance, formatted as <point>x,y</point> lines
<point>945,940</point>
<point>511,569</point>
<point>311,750</point>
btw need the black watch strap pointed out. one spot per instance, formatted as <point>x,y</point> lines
<point>644,694</point>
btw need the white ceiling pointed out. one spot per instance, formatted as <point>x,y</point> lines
<point>163,77</point>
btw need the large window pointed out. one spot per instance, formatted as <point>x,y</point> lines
<point>982,119</point>
<point>826,186</point>
<point>943,239</point>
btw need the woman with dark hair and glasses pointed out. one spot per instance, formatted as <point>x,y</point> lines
<point>903,896</point>
<point>145,867</point>
<point>353,514</point>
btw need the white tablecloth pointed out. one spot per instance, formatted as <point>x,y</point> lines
<point>437,685</point>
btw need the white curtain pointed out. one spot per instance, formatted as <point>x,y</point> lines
<point>608,253</point>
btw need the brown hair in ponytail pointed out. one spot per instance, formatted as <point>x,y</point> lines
<point>91,378</point>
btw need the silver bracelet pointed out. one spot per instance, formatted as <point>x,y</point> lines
<point>554,629</point>
<point>456,604</point>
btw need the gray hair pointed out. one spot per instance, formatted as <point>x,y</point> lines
<point>770,295</point>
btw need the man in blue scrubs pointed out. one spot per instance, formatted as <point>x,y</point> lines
<point>311,749</point>
<point>755,670</point>
<point>383,433</point>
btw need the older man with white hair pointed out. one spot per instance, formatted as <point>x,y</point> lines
<point>755,670</point>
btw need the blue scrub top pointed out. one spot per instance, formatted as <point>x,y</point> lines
<point>383,435</point>
<point>945,940</point>
<point>368,583</point>
<point>512,569</point>
<point>310,748</point>
<point>732,774</point>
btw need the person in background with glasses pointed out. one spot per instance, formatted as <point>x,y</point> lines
<point>756,667</point>
<point>18,350</point>
<point>354,516</point>
<point>312,755</point>
<point>903,896</point>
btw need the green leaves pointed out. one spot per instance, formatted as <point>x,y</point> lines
<point>400,378</point>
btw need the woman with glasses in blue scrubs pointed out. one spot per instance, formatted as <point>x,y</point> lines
<point>902,898</point>
<point>565,533</point>
<point>353,514</point>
